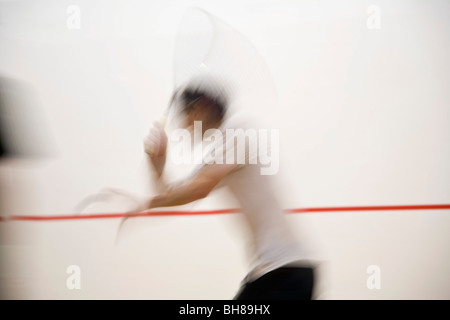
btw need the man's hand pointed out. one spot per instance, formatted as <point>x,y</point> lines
<point>155,143</point>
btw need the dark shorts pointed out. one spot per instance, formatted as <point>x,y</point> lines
<point>285,283</point>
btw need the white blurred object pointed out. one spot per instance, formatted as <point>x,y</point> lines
<point>206,47</point>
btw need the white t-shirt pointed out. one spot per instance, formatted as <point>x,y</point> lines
<point>273,243</point>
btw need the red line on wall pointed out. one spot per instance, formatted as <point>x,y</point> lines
<point>223,211</point>
<point>374,208</point>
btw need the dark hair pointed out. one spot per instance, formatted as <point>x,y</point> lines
<point>216,103</point>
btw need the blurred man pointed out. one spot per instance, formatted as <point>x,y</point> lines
<point>24,141</point>
<point>280,268</point>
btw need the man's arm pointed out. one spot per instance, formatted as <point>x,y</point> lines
<point>155,144</point>
<point>197,188</point>
<point>157,165</point>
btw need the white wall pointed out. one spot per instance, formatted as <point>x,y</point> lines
<point>363,116</point>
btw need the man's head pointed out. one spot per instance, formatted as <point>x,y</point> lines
<point>203,101</point>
